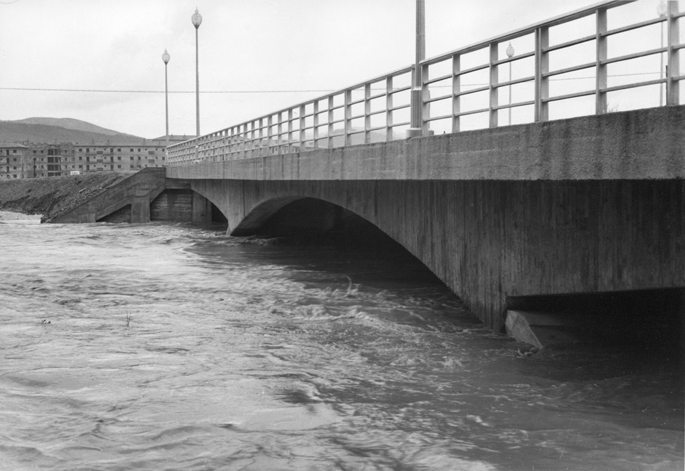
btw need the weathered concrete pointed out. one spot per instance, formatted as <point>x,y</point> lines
<point>584,205</point>
<point>489,240</point>
<point>136,191</point>
<point>634,145</point>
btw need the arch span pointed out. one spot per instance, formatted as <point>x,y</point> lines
<point>492,240</point>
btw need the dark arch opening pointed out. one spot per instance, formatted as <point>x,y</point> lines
<point>312,218</point>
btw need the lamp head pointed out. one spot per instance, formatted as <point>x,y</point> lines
<point>196,19</point>
<point>662,8</point>
<point>166,57</point>
<point>510,51</point>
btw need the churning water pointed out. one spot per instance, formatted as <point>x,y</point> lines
<point>168,347</point>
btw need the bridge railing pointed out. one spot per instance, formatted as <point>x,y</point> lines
<point>559,68</point>
<point>570,65</point>
<point>373,111</point>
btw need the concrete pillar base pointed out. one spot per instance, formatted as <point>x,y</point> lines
<point>542,329</point>
<point>414,132</point>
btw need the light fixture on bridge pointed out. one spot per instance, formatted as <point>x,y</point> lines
<point>510,54</point>
<point>166,58</point>
<point>197,21</point>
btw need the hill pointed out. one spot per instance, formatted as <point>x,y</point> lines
<point>57,130</point>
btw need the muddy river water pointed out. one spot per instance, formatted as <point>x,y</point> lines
<point>171,347</point>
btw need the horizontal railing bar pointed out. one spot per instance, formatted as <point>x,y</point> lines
<point>398,90</point>
<point>467,113</point>
<point>400,107</point>
<point>637,55</point>
<point>438,98</point>
<point>438,79</point>
<point>575,42</point>
<point>565,18</point>
<point>569,96</point>
<point>514,105</point>
<point>475,90</point>
<point>633,26</point>
<point>437,118</point>
<point>518,57</point>
<point>567,70</point>
<point>633,85</point>
<point>377,128</point>
<point>472,69</point>
<point>514,82</point>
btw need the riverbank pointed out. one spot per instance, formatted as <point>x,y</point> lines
<point>54,195</point>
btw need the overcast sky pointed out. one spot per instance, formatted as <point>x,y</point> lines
<point>245,46</point>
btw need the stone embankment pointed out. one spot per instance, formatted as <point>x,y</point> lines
<point>53,196</point>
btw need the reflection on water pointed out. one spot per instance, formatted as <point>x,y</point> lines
<point>163,346</point>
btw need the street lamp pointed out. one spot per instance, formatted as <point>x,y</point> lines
<point>166,57</point>
<point>662,11</point>
<point>510,54</point>
<point>197,21</point>
<point>416,106</point>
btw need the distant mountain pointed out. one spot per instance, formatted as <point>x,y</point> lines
<point>69,123</point>
<point>58,130</point>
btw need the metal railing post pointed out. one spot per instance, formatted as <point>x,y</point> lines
<point>367,113</point>
<point>347,138</point>
<point>601,81</point>
<point>331,114</point>
<point>302,124</point>
<point>494,102</point>
<point>541,70</point>
<point>388,109</point>
<point>425,105</point>
<point>269,133</point>
<point>315,123</point>
<point>672,85</point>
<point>456,90</point>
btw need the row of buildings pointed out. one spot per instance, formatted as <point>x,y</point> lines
<point>55,160</point>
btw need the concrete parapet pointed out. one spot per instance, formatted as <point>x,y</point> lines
<point>644,144</point>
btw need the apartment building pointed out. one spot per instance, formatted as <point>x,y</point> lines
<point>12,161</point>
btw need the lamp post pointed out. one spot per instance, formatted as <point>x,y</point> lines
<point>166,57</point>
<point>510,54</point>
<point>416,125</point>
<point>662,11</point>
<point>197,21</point>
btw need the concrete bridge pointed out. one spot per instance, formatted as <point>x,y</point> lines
<point>528,205</point>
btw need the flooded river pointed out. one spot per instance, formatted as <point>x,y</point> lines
<point>171,347</point>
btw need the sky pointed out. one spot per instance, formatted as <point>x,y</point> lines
<point>262,55</point>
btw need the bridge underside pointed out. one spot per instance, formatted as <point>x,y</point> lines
<point>491,240</point>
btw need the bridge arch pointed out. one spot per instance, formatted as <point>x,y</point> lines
<point>492,241</point>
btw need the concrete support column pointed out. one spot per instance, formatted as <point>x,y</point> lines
<point>202,209</point>
<point>140,209</point>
